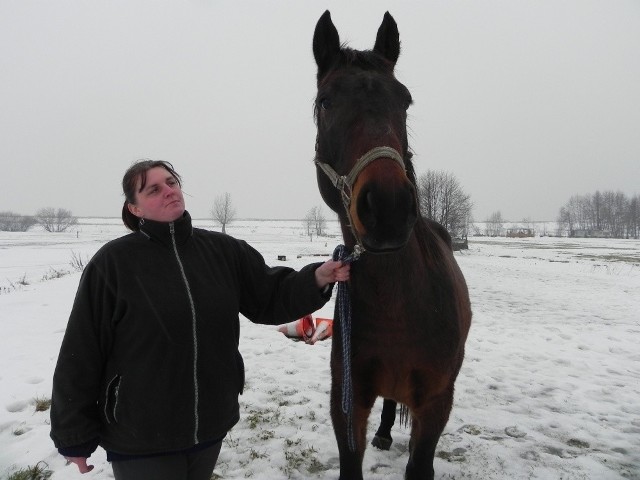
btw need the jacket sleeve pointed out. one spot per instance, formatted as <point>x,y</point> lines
<point>75,421</point>
<point>274,295</point>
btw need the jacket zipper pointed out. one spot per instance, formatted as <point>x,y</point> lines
<point>193,327</point>
<point>111,399</point>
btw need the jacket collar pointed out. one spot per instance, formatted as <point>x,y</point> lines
<point>161,231</point>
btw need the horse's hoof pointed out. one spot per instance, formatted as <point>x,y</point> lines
<point>381,442</point>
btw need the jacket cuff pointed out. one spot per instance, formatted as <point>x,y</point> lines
<point>84,450</point>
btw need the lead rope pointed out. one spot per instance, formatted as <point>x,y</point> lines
<point>343,310</point>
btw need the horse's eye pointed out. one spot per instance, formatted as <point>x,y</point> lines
<point>325,103</point>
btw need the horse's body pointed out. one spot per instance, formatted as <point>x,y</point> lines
<point>409,301</point>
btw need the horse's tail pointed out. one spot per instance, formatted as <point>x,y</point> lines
<point>405,417</point>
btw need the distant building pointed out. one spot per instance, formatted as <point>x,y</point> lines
<point>519,232</point>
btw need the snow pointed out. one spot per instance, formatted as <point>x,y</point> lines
<point>550,386</point>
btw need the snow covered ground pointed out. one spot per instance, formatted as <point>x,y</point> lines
<point>550,387</point>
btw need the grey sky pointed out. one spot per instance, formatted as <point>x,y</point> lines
<point>526,102</point>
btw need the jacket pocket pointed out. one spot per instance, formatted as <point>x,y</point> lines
<point>111,399</point>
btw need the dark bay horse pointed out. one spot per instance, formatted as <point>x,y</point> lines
<point>410,310</point>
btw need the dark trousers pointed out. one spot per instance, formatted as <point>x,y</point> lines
<point>185,466</point>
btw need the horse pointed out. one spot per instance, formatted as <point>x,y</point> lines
<point>409,309</point>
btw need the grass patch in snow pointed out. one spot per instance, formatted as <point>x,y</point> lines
<point>37,472</point>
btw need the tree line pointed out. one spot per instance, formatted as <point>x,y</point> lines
<point>610,213</point>
<point>441,198</point>
<point>51,220</point>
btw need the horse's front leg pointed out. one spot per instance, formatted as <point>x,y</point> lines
<point>351,452</point>
<point>428,422</point>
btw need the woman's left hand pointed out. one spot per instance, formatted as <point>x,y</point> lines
<point>81,462</point>
<point>332,271</point>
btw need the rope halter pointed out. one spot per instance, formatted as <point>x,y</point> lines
<point>344,183</point>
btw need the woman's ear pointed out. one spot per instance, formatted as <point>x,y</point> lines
<point>135,210</point>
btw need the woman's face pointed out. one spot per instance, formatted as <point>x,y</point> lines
<point>161,198</point>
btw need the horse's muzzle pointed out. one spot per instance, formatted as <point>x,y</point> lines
<point>385,215</point>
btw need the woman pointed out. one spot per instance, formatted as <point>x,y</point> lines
<point>149,367</point>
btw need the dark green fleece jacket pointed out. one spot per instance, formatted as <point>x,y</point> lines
<point>150,362</point>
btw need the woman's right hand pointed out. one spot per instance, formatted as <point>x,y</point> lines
<point>81,462</point>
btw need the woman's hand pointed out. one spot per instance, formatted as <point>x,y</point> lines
<point>81,462</point>
<point>332,271</point>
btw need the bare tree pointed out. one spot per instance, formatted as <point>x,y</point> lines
<point>609,213</point>
<point>319,221</point>
<point>633,217</point>
<point>308,224</point>
<point>565,221</point>
<point>315,222</point>
<point>442,199</point>
<point>14,222</point>
<point>495,224</point>
<point>596,209</point>
<point>615,209</point>
<point>223,211</point>
<point>55,220</point>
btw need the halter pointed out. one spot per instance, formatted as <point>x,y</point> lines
<point>344,183</point>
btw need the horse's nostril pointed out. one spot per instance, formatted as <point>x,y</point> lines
<point>371,203</point>
<point>367,208</point>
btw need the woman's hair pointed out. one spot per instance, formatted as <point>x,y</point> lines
<point>129,183</point>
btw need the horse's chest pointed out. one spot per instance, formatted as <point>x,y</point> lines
<point>394,324</point>
<point>406,309</point>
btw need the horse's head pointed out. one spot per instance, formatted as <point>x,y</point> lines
<point>364,166</point>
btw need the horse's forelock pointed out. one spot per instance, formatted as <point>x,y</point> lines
<point>365,59</point>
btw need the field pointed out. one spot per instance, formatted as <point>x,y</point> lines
<point>550,386</point>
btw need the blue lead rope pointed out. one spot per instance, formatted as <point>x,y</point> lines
<point>343,310</point>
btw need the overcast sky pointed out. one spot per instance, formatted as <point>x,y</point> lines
<point>526,102</point>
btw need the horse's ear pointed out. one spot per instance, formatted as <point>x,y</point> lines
<point>388,39</point>
<point>326,43</point>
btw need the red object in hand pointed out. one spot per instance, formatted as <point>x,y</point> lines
<point>301,328</point>
<point>308,329</point>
